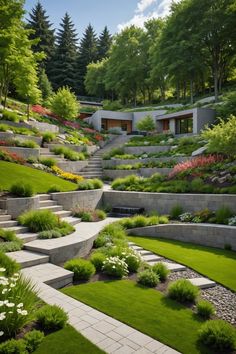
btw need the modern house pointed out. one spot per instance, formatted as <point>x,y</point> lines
<point>190,121</point>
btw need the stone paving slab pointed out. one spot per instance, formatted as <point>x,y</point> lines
<point>28,259</point>
<point>202,283</point>
<point>151,258</point>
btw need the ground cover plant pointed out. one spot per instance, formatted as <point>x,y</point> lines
<point>214,263</point>
<point>9,242</point>
<point>19,143</point>
<point>68,153</point>
<point>18,130</point>
<point>89,215</point>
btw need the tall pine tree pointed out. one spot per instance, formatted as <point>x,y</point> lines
<point>41,26</point>
<point>104,43</point>
<point>63,71</point>
<point>88,53</point>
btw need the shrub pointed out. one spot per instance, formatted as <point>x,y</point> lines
<point>48,137</point>
<point>131,258</point>
<point>68,153</point>
<point>47,161</point>
<point>13,346</point>
<point>8,264</point>
<point>22,189</point>
<point>146,124</point>
<point>64,104</point>
<point>183,290</point>
<point>29,144</point>
<point>232,221</point>
<point>97,259</point>
<point>9,115</point>
<point>54,189</point>
<point>83,269</point>
<point>10,242</point>
<point>148,278</point>
<point>115,267</point>
<point>97,183</point>
<point>176,211</point>
<point>101,214</point>
<point>205,309</point>
<point>113,234</point>
<point>51,317</point>
<point>186,217</point>
<point>101,241</point>
<point>86,216</point>
<point>223,214</point>
<point>218,335</point>
<point>161,270</point>
<point>90,184</point>
<point>32,340</point>
<point>39,220</point>
<point>44,235</point>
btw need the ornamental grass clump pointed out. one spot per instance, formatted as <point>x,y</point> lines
<point>22,189</point>
<point>148,278</point>
<point>97,259</point>
<point>51,317</point>
<point>161,270</point>
<point>176,211</point>
<point>9,242</point>
<point>183,290</point>
<point>82,268</point>
<point>115,267</point>
<point>39,220</point>
<point>205,309</point>
<point>9,265</point>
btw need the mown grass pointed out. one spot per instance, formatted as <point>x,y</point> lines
<point>41,181</point>
<point>217,264</point>
<point>145,309</point>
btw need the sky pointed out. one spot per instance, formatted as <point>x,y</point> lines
<point>116,14</point>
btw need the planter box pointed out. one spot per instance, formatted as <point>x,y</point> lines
<point>25,153</point>
<point>146,149</point>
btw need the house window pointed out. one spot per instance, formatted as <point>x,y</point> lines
<point>124,127</point>
<point>184,126</point>
<point>166,124</point>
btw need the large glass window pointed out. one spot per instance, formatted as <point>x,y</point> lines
<point>184,126</point>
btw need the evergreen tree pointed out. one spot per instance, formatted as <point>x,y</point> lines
<point>41,26</point>
<point>63,71</point>
<point>44,85</point>
<point>88,53</point>
<point>104,44</point>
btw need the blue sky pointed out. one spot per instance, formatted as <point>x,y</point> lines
<point>116,14</point>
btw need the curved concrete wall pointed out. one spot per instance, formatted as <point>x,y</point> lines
<point>201,234</point>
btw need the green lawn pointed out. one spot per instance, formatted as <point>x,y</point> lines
<point>217,264</point>
<point>67,341</point>
<point>144,309</point>
<point>41,181</point>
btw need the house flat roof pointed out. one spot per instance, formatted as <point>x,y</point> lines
<point>183,113</point>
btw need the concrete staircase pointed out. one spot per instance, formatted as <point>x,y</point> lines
<point>46,153</point>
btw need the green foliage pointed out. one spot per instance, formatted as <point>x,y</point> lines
<point>32,340</point>
<point>97,259</point>
<point>89,215</point>
<point>39,220</point>
<point>146,124</point>
<point>9,242</point>
<point>183,290</point>
<point>45,86</point>
<point>10,265</point>
<point>90,184</point>
<point>161,270</point>
<point>64,104</point>
<point>51,317</point>
<point>176,211</point>
<point>45,235</point>
<point>218,335</point>
<point>68,153</point>
<point>148,278</point>
<point>83,269</point>
<point>113,152</point>
<point>13,346</point>
<point>228,106</point>
<point>131,258</point>
<point>205,309</point>
<point>222,137</point>
<point>48,137</point>
<point>22,189</point>
<point>115,267</point>
<point>223,214</point>
<point>11,116</point>
<point>48,161</point>
<point>54,188</point>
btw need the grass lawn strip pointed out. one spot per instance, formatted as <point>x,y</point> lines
<point>217,264</point>
<point>145,309</point>
<point>67,341</point>
<point>41,181</point>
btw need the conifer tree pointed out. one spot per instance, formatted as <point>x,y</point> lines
<point>88,53</point>
<point>104,43</point>
<point>63,71</point>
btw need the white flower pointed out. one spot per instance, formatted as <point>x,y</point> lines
<point>10,304</point>
<point>5,302</point>
<point>20,304</point>
<point>24,312</point>
<point>4,291</point>
<point>1,333</point>
<point>2,316</point>
<point>1,303</point>
<point>12,285</point>
<point>2,269</point>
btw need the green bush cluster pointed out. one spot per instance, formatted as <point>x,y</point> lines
<point>89,215</point>
<point>22,189</point>
<point>68,153</point>
<point>47,161</point>
<point>82,268</point>
<point>161,270</point>
<point>205,309</point>
<point>11,116</point>
<point>97,259</point>
<point>221,216</point>
<point>48,137</point>
<point>183,291</point>
<point>19,130</point>
<point>115,267</point>
<point>90,184</point>
<point>54,189</point>
<point>51,317</point>
<point>142,221</point>
<point>9,242</point>
<point>148,278</point>
<point>9,264</point>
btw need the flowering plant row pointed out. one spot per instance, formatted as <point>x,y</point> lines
<point>6,155</point>
<point>67,175</point>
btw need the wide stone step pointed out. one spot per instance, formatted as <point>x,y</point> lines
<point>28,236</point>
<point>173,267</point>
<point>50,274</point>
<point>7,223</point>
<point>151,258</point>
<point>5,217</point>
<point>52,208</point>
<point>71,220</point>
<point>18,229</point>
<point>63,213</point>
<point>144,252</point>
<point>45,203</point>
<point>202,283</point>
<point>28,259</point>
<point>44,197</point>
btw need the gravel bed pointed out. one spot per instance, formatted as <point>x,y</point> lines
<point>185,274</point>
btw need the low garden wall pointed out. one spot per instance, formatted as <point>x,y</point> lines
<point>25,153</point>
<point>115,162</point>
<point>72,166</point>
<point>15,124</point>
<point>145,149</point>
<point>90,199</point>
<point>44,127</point>
<point>202,234</point>
<point>147,172</point>
<point>163,202</point>
<point>113,174</point>
<point>6,136</point>
<point>90,149</point>
<point>17,206</point>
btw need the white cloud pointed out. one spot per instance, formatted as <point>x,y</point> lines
<point>161,9</point>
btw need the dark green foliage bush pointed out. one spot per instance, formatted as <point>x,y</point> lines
<point>31,144</point>
<point>176,211</point>
<point>183,291</point>
<point>54,189</point>
<point>9,264</point>
<point>9,242</point>
<point>97,260</point>
<point>223,214</point>
<point>68,153</point>
<point>47,161</point>
<point>161,270</point>
<point>205,309</point>
<point>83,269</point>
<point>39,220</point>
<point>11,116</point>
<point>148,278</point>
<point>22,189</point>
<point>131,258</point>
<point>48,137</point>
<point>32,340</point>
<point>51,317</point>
<point>100,241</point>
<point>218,335</point>
<point>89,184</point>
<point>113,152</point>
<point>13,346</point>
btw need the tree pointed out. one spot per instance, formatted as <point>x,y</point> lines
<point>64,104</point>
<point>146,124</point>
<point>45,85</point>
<point>63,71</point>
<point>104,44</point>
<point>42,31</point>
<point>94,79</point>
<point>88,53</point>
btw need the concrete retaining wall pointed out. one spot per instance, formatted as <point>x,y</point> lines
<point>17,206</point>
<point>44,127</point>
<point>201,234</point>
<point>147,172</point>
<point>113,174</point>
<point>83,199</point>
<point>116,162</point>
<point>6,136</point>
<point>23,152</point>
<point>145,149</point>
<point>72,166</point>
<point>163,202</point>
<point>90,149</point>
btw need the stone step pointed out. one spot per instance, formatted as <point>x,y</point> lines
<point>50,274</point>
<point>18,229</point>
<point>144,252</point>
<point>44,197</point>
<point>202,283</point>
<point>134,247</point>
<point>28,259</point>
<point>63,213</point>
<point>52,208</point>
<point>173,267</point>
<point>7,223</point>
<point>45,203</point>
<point>5,217</point>
<point>71,220</point>
<point>3,212</point>
<point>151,258</point>
<point>27,237</point>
